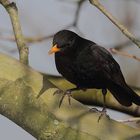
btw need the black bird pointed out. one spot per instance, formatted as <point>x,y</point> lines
<point>88,65</point>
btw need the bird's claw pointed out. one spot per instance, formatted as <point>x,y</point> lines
<point>69,98</point>
<point>59,91</point>
<point>94,110</point>
<point>103,113</point>
<point>67,92</point>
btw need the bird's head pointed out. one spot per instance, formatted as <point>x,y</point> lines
<point>63,41</point>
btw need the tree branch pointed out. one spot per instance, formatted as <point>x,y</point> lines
<point>124,54</point>
<point>28,39</point>
<point>77,13</point>
<point>13,13</point>
<point>137,119</point>
<point>42,117</point>
<point>94,97</point>
<point>124,30</point>
<point>42,38</point>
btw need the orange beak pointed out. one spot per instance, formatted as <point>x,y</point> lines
<point>54,49</point>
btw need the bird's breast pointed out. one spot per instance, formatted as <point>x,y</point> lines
<point>66,66</point>
<point>80,75</point>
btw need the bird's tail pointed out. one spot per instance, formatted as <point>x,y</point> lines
<point>124,94</point>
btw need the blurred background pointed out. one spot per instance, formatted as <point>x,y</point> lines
<point>41,19</point>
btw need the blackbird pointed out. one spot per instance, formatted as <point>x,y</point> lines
<point>88,65</point>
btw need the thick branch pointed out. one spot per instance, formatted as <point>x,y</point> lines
<point>42,117</point>
<point>94,97</point>
<point>13,13</point>
<point>124,30</point>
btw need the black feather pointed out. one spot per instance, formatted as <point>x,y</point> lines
<point>88,65</point>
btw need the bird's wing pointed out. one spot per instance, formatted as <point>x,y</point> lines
<point>101,63</point>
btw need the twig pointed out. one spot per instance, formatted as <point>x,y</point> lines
<point>13,13</point>
<point>124,30</point>
<point>124,54</point>
<point>42,38</point>
<point>77,13</point>
<point>28,39</point>
<point>136,119</point>
<point>11,38</point>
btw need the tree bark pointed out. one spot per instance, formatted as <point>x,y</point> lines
<point>42,118</point>
<point>94,96</point>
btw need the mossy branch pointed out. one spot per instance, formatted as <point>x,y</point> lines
<point>124,30</point>
<point>94,96</point>
<point>11,8</point>
<point>42,117</point>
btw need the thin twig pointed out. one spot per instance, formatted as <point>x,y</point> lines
<point>28,39</point>
<point>124,30</point>
<point>124,54</point>
<point>136,119</point>
<point>43,38</point>
<point>8,38</point>
<point>21,44</point>
<point>77,13</point>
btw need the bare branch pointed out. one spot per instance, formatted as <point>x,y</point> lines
<point>136,119</point>
<point>42,38</point>
<point>13,13</point>
<point>124,54</point>
<point>124,30</point>
<point>77,13</point>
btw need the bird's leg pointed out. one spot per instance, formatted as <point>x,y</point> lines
<point>68,93</point>
<point>94,110</point>
<point>103,112</point>
<point>104,91</point>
